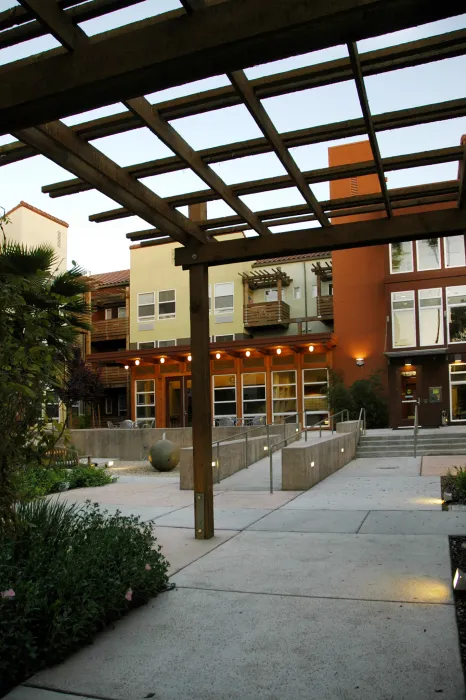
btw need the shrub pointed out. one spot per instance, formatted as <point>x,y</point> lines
<point>34,482</point>
<point>456,482</point>
<point>370,394</point>
<point>66,571</point>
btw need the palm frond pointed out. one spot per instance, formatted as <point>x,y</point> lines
<point>21,260</point>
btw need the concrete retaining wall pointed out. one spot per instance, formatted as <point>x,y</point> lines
<point>232,454</point>
<point>134,444</point>
<point>305,465</point>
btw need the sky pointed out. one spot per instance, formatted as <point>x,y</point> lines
<point>104,247</point>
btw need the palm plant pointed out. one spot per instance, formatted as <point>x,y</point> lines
<point>41,314</point>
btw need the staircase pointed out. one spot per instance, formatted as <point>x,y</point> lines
<point>397,444</point>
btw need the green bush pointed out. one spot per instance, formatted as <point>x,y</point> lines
<point>363,393</point>
<point>34,482</point>
<point>456,481</point>
<point>66,571</point>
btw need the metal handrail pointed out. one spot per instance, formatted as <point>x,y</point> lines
<point>416,426</point>
<point>361,423</point>
<point>329,420</point>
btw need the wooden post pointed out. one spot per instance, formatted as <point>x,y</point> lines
<point>201,397</point>
<point>279,289</point>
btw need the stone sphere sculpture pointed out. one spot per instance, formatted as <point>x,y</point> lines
<point>164,455</point>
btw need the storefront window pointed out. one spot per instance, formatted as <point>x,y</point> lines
<point>145,399</point>
<point>430,317</point>
<point>315,385</point>
<point>456,302</point>
<point>284,395</point>
<point>458,391</point>
<point>454,251</point>
<point>401,257</point>
<point>224,398</point>
<point>403,320</point>
<point>52,405</point>
<point>428,254</point>
<point>254,401</point>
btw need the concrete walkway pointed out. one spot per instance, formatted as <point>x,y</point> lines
<point>341,592</point>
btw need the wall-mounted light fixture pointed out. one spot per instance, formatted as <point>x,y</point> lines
<point>360,361</point>
<point>408,362</point>
<point>136,362</point>
<point>217,356</point>
<point>190,358</point>
<point>162,360</point>
<point>248,353</point>
<point>457,358</point>
<point>311,348</point>
<point>126,366</point>
<point>279,351</point>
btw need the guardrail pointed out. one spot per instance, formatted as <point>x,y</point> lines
<point>416,426</point>
<point>361,424</point>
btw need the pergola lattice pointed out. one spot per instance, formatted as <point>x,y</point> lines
<point>211,37</point>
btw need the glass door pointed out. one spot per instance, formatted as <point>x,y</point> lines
<point>409,394</point>
<point>179,402</point>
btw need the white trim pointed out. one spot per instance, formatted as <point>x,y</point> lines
<point>321,412</point>
<point>253,386</point>
<point>146,343</point>
<point>413,309</point>
<point>227,309</point>
<point>400,272</point>
<point>222,388</point>
<point>426,269</point>
<point>287,398</point>
<point>164,317</point>
<point>452,342</point>
<point>146,318</point>
<point>136,392</point>
<point>442,317</point>
<point>450,383</point>
<point>452,267</point>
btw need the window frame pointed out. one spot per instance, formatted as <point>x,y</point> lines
<point>247,401</point>
<point>392,318</point>
<point>227,309</point>
<point>400,272</point>
<point>426,269</point>
<point>107,400</point>
<point>419,315</point>
<point>297,292</point>
<point>146,319</point>
<point>144,344</point>
<point>450,385</point>
<point>224,388</point>
<point>453,267</point>
<point>288,398</point>
<point>231,337</point>
<point>121,308</point>
<point>108,317</point>
<point>152,405</point>
<point>449,341</point>
<point>165,317</point>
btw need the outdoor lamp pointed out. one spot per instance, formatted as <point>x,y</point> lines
<point>189,358</point>
<point>126,366</point>
<point>459,580</point>
<point>279,351</point>
<point>360,361</point>
<point>217,356</point>
<point>311,348</point>
<point>162,360</point>
<point>248,353</point>
<point>136,362</point>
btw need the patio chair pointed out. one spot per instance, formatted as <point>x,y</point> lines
<point>110,424</point>
<point>127,424</point>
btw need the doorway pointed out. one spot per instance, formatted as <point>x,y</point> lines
<point>410,390</point>
<point>179,402</point>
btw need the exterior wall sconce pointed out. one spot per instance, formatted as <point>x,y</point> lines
<point>162,360</point>
<point>189,358</point>
<point>408,362</point>
<point>279,351</point>
<point>457,358</point>
<point>311,348</point>
<point>248,353</point>
<point>313,464</point>
<point>126,366</point>
<point>360,361</point>
<point>217,356</point>
<point>342,449</point>
<point>136,362</point>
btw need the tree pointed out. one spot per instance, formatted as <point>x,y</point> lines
<point>81,382</point>
<point>370,394</point>
<point>41,313</point>
<point>339,396</point>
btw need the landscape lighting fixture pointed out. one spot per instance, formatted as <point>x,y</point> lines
<point>217,356</point>
<point>136,362</point>
<point>342,449</point>
<point>459,580</point>
<point>265,448</point>
<point>279,351</point>
<point>110,464</point>
<point>214,464</point>
<point>312,464</point>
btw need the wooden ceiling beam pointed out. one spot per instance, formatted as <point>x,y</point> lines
<point>265,124</point>
<point>153,54</point>
<point>448,222</point>
<point>410,160</point>
<point>56,22</point>
<point>62,146</point>
<point>367,116</point>
<point>171,138</point>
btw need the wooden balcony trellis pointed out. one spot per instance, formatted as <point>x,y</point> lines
<point>225,36</point>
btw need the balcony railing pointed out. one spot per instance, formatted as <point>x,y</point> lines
<point>268,313</point>
<point>111,329</point>
<point>325,307</point>
<point>114,376</point>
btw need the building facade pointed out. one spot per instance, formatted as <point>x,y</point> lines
<point>403,314</point>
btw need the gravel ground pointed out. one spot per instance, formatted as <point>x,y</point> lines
<point>139,468</point>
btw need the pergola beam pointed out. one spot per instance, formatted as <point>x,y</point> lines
<point>265,124</point>
<point>55,22</point>
<point>153,54</point>
<point>408,227</point>
<point>62,146</point>
<point>167,134</point>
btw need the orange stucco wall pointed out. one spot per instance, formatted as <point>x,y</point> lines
<point>358,280</point>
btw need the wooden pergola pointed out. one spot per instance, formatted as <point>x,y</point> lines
<point>212,37</point>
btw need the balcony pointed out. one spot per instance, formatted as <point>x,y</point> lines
<point>325,307</point>
<point>114,376</point>
<point>268,313</point>
<point>111,329</point>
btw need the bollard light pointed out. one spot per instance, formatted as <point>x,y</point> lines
<point>214,464</point>
<point>110,464</point>
<point>459,580</point>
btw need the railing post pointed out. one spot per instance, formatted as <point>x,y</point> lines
<point>218,462</point>
<point>270,459</point>
<point>246,449</point>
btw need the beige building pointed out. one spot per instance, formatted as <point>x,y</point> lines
<point>31,226</point>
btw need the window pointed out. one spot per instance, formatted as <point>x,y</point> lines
<point>271,294</point>
<point>108,314</point>
<point>296,292</point>
<point>458,391</point>
<point>166,343</point>
<point>314,291</point>
<point>147,344</point>
<point>108,407</point>
<point>122,407</point>
<point>430,317</point>
<point>122,312</point>
<point>145,399</point>
<point>52,405</point>
<point>146,306</point>
<point>315,385</point>
<point>428,254</point>
<point>167,303</point>
<point>453,247</point>
<point>210,298</point>
<point>223,303</point>
<point>403,320</point>
<point>401,257</point>
<point>77,408</point>
<point>254,400</point>
<point>456,302</point>
<point>284,394</point>
<point>223,338</point>
<point>224,396</point>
